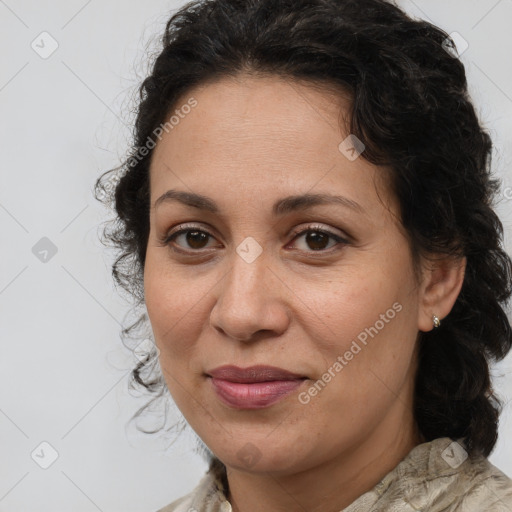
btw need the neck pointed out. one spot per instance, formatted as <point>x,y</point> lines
<point>337,482</point>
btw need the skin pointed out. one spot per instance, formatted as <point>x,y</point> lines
<point>249,142</point>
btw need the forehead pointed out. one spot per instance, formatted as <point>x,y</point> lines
<point>262,134</point>
<point>251,113</point>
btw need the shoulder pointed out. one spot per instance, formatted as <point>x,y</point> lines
<point>453,481</point>
<point>482,486</point>
<point>439,476</point>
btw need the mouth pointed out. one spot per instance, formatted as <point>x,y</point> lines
<point>255,387</point>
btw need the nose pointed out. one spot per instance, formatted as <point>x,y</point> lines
<point>252,301</point>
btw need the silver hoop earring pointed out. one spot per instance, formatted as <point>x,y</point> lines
<point>436,321</point>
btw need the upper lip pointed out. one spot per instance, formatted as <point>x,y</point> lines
<point>259,373</point>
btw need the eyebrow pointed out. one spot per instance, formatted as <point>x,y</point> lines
<point>280,207</point>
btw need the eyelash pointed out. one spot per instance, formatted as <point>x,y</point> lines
<point>309,229</point>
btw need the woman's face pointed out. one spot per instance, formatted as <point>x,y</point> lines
<point>264,277</point>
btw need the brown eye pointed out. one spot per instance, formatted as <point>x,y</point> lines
<point>196,239</point>
<point>317,240</point>
<point>191,239</point>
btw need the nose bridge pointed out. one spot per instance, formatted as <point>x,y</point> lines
<point>248,301</point>
<point>246,281</point>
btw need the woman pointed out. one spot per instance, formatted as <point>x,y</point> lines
<point>306,215</point>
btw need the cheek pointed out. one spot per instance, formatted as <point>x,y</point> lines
<point>368,333</point>
<point>177,306</point>
<point>365,302</point>
<point>173,304</point>
<point>165,298</point>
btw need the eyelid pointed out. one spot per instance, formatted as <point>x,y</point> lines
<point>321,229</point>
<point>183,228</point>
<point>301,230</point>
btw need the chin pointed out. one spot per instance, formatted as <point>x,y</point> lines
<point>263,456</point>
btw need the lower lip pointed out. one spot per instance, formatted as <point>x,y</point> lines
<point>255,395</point>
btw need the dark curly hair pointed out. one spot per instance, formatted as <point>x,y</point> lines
<point>410,106</point>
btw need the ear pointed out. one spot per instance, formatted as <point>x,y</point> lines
<point>442,280</point>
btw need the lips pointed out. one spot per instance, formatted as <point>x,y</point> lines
<point>252,374</point>
<point>255,387</point>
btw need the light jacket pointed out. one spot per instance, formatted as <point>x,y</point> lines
<point>436,476</point>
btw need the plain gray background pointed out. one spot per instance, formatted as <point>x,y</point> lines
<point>65,118</point>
